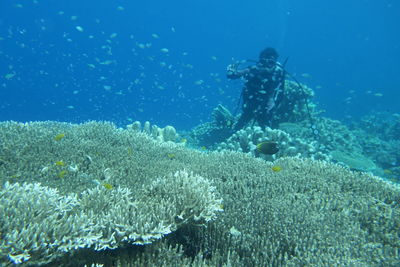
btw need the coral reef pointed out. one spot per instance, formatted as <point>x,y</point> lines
<point>168,133</point>
<point>222,117</point>
<point>90,206</point>
<point>330,134</point>
<point>99,218</point>
<point>246,141</point>
<point>335,139</point>
<point>208,134</point>
<point>293,104</point>
<point>288,212</point>
<point>40,224</point>
<point>379,136</point>
<point>369,145</point>
<point>293,108</point>
<point>384,125</point>
<point>354,161</point>
<point>211,133</point>
<point>325,139</point>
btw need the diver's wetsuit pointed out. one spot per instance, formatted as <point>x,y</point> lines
<point>261,93</point>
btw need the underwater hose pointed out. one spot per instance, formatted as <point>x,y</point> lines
<point>313,126</point>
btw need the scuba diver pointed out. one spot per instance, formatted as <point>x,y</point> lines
<point>263,89</point>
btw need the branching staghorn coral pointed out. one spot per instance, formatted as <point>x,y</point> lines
<point>39,224</point>
<point>288,212</point>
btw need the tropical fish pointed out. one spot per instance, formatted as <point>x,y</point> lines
<point>108,186</point>
<point>58,137</point>
<point>79,28</point>
<point>386,171</point>
<point>268,147</point>
<point>62,174</point>
<point>60,163</point>
<point>276,168</point>
<point>171,155</point>
<point>9,76</point>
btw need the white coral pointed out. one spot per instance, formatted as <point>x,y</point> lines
<point>246,141</point>
<point>41,224</point>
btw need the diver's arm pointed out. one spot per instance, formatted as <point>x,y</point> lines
<point>234,73</point>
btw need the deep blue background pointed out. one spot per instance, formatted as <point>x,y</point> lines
<point>347,51</point>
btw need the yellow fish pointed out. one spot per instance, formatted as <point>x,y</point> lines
<point>62,174</point>
<point>171,155</point>
<point>108,186</point>
<point>276,168</point>
<point>59,163</point>
<point>58,137</point>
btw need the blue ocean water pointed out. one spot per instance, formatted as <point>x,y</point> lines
<point>165,61</point>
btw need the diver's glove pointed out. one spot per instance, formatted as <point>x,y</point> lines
<point>232,68</point>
